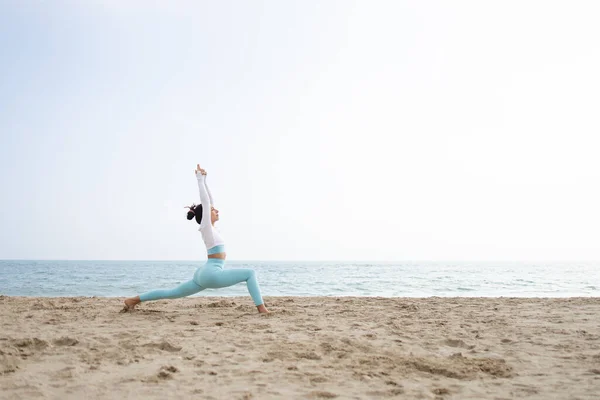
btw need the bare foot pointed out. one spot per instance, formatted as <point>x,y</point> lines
<point>130,303</point>
<point>262,309</point>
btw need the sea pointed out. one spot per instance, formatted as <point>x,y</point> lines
<point>52,278</point>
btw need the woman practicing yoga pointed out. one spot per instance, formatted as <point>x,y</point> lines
<point>210,275</point>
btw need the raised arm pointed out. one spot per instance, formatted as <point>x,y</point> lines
<point>210,198</point>
<point>204,197</point>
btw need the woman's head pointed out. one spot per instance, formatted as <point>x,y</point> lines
<point>195,211</point>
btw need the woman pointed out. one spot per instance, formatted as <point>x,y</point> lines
<point>210,275</point>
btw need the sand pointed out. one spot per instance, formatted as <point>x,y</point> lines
<point>308,348</point>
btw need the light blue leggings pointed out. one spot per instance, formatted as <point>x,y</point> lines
<point>210,276</point>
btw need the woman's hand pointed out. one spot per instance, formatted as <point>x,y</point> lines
<point>199,170</point>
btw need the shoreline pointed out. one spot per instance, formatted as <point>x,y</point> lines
<point>308,347</point>
<point>352,296</point>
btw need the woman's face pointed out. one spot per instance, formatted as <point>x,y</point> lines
<point>214,215</point>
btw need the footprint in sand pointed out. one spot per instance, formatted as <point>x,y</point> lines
<point>458,343</point>
<point>221,303</point>
<point>323,395</point>
<point>377,394</point>
<point>8,364</point>
<point>164,345</point>
<point>166,372</point>
<point>34,344</point>
<point>440,391</point>
<point>65,341</point>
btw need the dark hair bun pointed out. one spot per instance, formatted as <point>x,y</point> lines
<point>195,211</point>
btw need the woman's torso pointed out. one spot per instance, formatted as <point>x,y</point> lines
<point>215,245</point>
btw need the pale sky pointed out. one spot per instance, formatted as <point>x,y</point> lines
<point>330,130</point>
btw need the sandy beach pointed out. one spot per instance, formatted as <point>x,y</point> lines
<point>311,347</point>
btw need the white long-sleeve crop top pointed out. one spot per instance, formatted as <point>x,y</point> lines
<point>210,235</point>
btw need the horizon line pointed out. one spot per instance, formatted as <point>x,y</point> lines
<point>311,260</point>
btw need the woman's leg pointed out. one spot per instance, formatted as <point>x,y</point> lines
<point>185,289</point>
<point>216,278</point>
